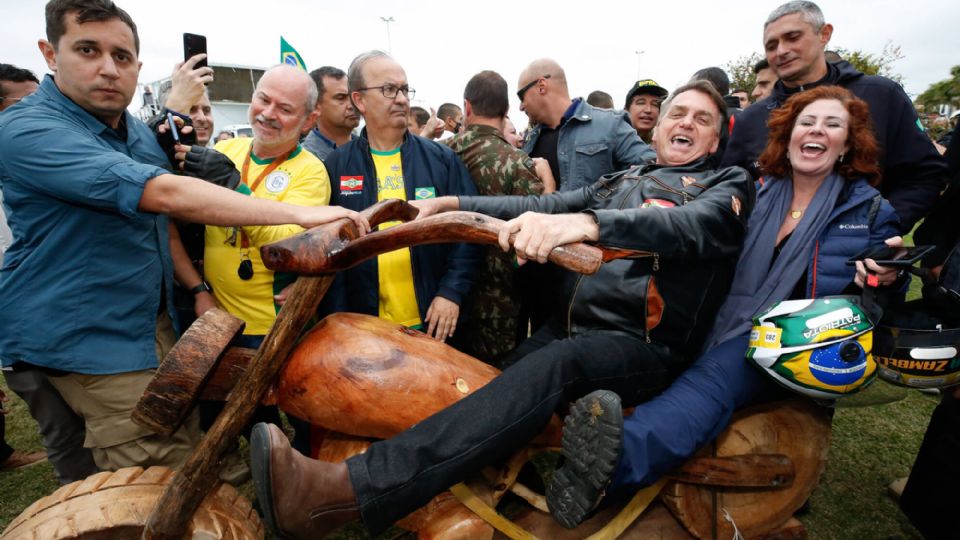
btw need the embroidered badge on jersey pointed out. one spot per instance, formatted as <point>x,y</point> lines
<point>351,185</point>
<point>425,193</point>
<point>277,182</point>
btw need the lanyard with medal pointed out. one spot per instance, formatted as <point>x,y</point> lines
<point>245,270</point>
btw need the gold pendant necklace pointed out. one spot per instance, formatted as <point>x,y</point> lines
<point>796,214</point>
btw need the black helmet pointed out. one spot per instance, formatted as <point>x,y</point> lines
<point>917,349</point>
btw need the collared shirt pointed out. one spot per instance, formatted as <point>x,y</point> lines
<point>319,145</point>
<point>546,146</point>
<point>80,287</point>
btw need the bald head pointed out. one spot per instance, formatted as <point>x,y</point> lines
<point>543,93</point>
<point>283,107</point>
<point>542,67</point>
<point>298,81</point>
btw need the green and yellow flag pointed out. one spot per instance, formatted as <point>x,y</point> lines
<point>290,56</point>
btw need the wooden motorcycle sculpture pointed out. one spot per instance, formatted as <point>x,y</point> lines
<point>363,378</point>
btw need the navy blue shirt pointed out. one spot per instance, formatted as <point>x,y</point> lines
<point>80,286</point>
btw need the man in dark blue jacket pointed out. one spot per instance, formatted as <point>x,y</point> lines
<point>420,287</point>
<point>794,38</point>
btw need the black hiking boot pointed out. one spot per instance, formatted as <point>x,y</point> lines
<point>592,443</point>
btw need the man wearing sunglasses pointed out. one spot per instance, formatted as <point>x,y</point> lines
<point>581,143</point>
<point>420,287</point>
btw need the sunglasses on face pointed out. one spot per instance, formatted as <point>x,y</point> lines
<point>523,91</point>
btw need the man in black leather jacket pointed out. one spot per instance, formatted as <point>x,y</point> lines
<point>631,327</point>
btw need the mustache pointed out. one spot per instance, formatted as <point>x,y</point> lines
<point>269,122</point>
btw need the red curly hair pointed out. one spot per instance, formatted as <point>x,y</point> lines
<point>860,161</point>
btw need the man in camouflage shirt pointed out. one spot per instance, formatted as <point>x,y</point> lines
<point>489,328</point>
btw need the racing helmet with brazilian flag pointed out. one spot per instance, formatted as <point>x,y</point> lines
<point>820,348</point>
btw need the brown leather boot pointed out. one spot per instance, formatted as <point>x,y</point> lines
<point>300,497</point>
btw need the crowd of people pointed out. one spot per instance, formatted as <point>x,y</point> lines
<point>121,233</point>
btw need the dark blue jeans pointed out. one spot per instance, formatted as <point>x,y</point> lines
<point>662,433</point>
<point>399,475</point>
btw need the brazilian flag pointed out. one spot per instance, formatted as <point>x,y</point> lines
<point>290,56</point>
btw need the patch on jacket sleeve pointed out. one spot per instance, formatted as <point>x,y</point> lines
<point>735,204</point>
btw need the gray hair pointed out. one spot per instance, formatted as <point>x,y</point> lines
<point>705,88</point>
<point>810,12</point>
<point>355,71</point>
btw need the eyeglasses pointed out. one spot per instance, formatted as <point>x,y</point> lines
<point>390,91</point>
<point>523,91</point>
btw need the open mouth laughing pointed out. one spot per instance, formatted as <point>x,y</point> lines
<point>812,149</point>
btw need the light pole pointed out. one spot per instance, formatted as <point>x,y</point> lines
<point>388,20</point>
<point>639,54</point>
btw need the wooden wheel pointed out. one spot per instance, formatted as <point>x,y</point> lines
<point>116,505</point>
<point>798,429</point>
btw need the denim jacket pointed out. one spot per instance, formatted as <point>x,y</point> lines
<point>594,142</point>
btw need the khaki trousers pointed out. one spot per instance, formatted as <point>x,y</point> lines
<point>105,403</point>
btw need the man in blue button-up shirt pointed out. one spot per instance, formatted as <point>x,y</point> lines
<point>83,288</point>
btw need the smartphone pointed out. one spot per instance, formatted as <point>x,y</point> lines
<point>892,256</point>
<point>174,132</point>
<point>194,44</point>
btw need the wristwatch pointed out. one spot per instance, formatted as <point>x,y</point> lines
<point>202,287</point>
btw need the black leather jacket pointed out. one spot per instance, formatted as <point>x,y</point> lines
<point>689,221</point>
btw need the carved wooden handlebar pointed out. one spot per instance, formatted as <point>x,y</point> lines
<point>311,254</point>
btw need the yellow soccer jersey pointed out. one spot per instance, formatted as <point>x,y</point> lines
<point>398,300</point>
<point>302,180</point>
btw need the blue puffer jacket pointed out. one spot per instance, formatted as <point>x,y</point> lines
<point>594,142</point>
<point>429,170</point>
<point>860,219</point>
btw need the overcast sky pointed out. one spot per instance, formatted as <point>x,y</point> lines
<point>442,44</point>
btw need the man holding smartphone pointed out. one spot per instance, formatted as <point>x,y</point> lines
<point>188,98</point>
<point>86,286</point>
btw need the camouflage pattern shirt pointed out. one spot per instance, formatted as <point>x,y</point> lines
<point>492,311</point>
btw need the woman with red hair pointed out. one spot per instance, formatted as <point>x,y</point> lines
<point>816,208</point>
